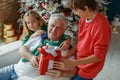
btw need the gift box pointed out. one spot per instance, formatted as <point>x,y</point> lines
<point>46,58</point>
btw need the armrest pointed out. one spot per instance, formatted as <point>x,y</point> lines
<point>10,47</point>
<point>9,53</point>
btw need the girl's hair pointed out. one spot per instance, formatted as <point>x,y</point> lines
<point>60,16</point>
<point>26,31</point>
<point>79,4</point>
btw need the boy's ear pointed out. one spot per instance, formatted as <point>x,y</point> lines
<point>85,8</point>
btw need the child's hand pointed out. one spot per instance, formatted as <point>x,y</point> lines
<point>54,73</point>
<point>37,33</point>
<point>66,44</point>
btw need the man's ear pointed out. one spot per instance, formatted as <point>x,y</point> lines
<point>65,28</point>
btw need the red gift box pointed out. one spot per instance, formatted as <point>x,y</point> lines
<point>46,60</point>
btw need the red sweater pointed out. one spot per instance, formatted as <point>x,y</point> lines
<point>93,39</point>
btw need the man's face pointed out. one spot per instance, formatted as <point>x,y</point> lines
<point>56,28</point>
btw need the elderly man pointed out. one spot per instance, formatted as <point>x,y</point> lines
<point>28,65</point>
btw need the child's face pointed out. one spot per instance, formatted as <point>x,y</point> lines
<point>32,23</point>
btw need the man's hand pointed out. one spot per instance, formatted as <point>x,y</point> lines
<point>34,62</point>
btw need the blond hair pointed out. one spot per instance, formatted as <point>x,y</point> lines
<point>26,31</point>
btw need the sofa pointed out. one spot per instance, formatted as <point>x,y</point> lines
<point>9,53</point>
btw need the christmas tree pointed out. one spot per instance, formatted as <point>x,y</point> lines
<point>46,7</point>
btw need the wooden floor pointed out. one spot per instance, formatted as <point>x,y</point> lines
<point>111,69</point>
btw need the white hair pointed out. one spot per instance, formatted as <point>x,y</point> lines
<point>60,16</point>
